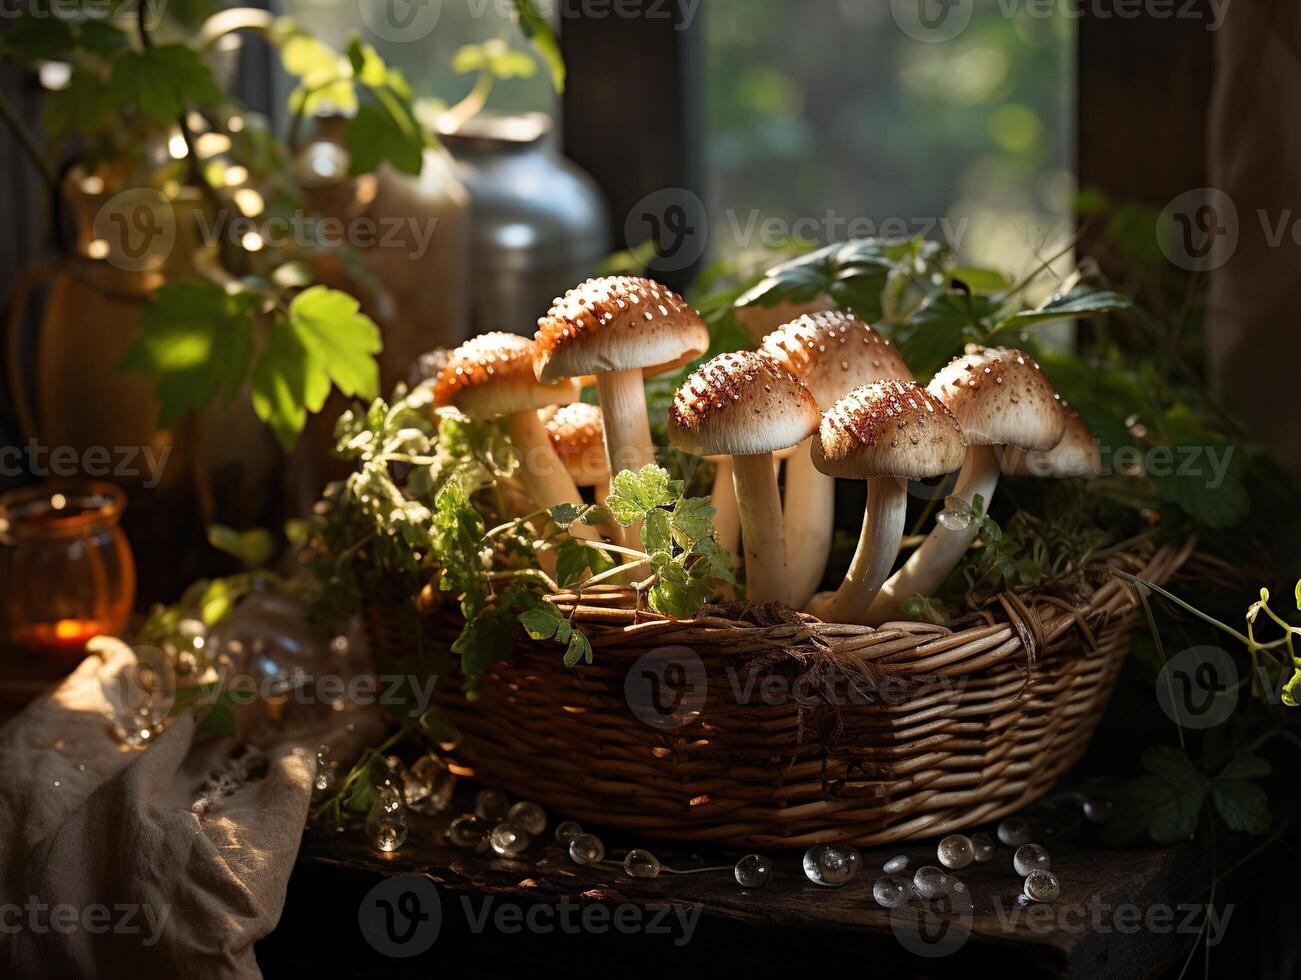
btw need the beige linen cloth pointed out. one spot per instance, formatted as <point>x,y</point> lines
<point>161,862</point>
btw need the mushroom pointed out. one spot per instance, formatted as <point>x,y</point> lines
<point>746,406</point>
<point>1000,397</point>
<point>621,329</point>
<point>492,376</point>
<point>885,433</point>
<point>1076,455</point>
<point>578,438</point>
<point>833,353</point>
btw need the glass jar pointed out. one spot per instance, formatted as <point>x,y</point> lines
<point>66,570</point>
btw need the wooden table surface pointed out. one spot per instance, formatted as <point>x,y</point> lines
<point>1110,921</point>
<point>1123,913</point>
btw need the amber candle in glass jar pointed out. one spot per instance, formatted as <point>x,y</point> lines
<point>66,570</point>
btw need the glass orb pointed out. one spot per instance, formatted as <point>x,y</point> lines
<point>508,840</point>
<point>753,871</point>
<point>587,849</point>
<point>641,863</point>
<point>1014,831</point>
<point>891,891</point>
<point>1042,886</point>
<point>1030,857</point>
<point>527,816</point>
<point>831,865</point>
<point>931,882</point>
<point>568,830</point>
<point>491,804</point>
<point>956,851</point>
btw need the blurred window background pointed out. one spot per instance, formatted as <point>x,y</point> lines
<point>825,119</point>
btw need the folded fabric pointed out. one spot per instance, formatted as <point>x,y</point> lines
<point>165,861</point>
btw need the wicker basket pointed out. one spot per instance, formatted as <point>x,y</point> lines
<point>926,730</point>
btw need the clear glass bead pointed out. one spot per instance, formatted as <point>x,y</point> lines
<point>955,851</point>
<point>931,882</point>
<point>1097,809</point>
<point>982,847</point>
<point>896,864</point>
<point>491,804</point>
<point>468,830</point>
<point>641,863</point>
<point>587,849</point>
<point>891,891</point>
<point>957,514</point>
<point>325,779</point>
<point>430,785</point>
<point>1014,831</point>
<point>1030,857</point>
<point>1042,886</point>
<point>386,824</point>
<point>528,817</point>
<point>831,864</point>
<point>567,831</point>
<point>507,839</point>
<point>753,871</point>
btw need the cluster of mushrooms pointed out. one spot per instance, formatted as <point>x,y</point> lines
<point>825,395</point>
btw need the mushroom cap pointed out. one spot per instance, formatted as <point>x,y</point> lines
<point>741,404</point>
<point>577,435</point>
<point>833,353</point>
<point>889,428</point>
<point>1076,455</point>
<point>492,375</point>
<point>619,323</point>
<point>1001,397</point>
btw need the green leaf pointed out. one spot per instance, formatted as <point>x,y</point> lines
<point>936,332</point>
<point>719,561</point>
<point>1242,805</point>
<point>84,106</point>
<point>340,339</point>
<point>986,281</point>
<point>254,548</point>
<point>199,339</point>
<point>1298,594</point>
<point>633,495</point>
<point>1292,690</point>
<point>220,718</point>
<point>101,37</point>
<point>579,648</point>
<point>693,521</point>
<point>678,592</point>
<point>1081,300</point>
<point>1166,803</point>
<point>284,382</point>
<point>37,38</point>
<point>537,29</point>
<point>1245,765</point>
<point>162,80</point>
<point>565,514</point>
<point>574,558</point>
<point>543,622</point>
<point>657,532</point>
<point>379,135</point>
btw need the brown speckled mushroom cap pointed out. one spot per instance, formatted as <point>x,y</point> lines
<point>741,404</point>
<point>619,323</point>
<point>889,428</point>
<point>833,353</point>
<point>1001,397</point>
<point>492,375</point>
<point>1076,455</point>
<point>577,435</point>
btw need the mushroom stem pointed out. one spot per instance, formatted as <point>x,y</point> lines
<point>810,516</point>
<point>928,567</point>
<point>727,520</point>
<point>878,546</point>
<point>627,427</point>
<point>541,470</point>
<point>627,432</point>
<point>759,505</point>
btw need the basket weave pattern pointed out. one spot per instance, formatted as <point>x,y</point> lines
<point>929,730</point>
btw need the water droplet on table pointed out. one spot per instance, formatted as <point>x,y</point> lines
<point>955,851</point>
<point>468,830</point>
<point>386,824</point>
<point>507,839</point>
<point>1014,831</point>
<point>1030,857</point>
<point>527,816</point>
<point>753,871</point>
<point>982,847</point>
<point>586,849</point>
<point>430,785</point>
<point>831,864</point>
<point>891,891</point>
<point>491,804</point>
<point>1042,886</point>
<point>896,864</point>
<point>567,831</point>
<point>930,882</point>
<point>641,863</point>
